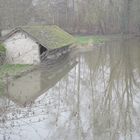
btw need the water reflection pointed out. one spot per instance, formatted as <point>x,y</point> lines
<point>96,99</point>
<point>24,90</point>
<point>115,86</point>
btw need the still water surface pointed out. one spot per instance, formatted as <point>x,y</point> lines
<point>94,95</point>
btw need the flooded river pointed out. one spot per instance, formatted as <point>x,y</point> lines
<point>93,94</point>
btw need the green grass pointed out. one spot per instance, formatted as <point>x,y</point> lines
<point>85,40</point>
<point>13,70</point>
<point>2,49</point>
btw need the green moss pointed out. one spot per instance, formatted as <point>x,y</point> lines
<point>13,70</point>
<point>85,40</point>
<point>2,49</point>
<point>61,38</point>
<point>1,88</point>
<point>52,37</point>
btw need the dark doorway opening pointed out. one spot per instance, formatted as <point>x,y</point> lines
<point>43,53</point>
<point>42,49</point>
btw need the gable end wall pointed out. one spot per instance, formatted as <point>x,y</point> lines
<point>21,49</point>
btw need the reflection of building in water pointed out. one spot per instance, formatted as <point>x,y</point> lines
<point>27,88</point>
<point>23,89</point>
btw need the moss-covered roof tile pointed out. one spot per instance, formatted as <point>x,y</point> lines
<point>51,37</point>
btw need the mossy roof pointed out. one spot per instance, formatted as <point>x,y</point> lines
<point>50,36</point>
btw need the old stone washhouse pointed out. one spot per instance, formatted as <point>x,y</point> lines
<point>25,45</point>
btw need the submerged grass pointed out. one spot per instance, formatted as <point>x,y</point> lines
<point>85,40</point>
<point>13,70</point>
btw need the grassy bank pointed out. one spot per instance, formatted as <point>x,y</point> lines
<point>85,40</point>
<point>13,70</point>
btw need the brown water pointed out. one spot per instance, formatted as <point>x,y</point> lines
<point>94,96</point>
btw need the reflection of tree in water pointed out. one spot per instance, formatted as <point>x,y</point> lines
<point>118,70</point>
<point>98,99</point>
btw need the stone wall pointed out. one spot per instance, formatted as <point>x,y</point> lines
<point>21,49</point>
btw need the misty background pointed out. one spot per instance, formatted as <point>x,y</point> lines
<point>75,16</point>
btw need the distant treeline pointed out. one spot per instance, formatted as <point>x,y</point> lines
<point>75,16</point>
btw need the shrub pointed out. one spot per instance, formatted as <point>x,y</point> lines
<point>2,54</point>
<point>2,49</point>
